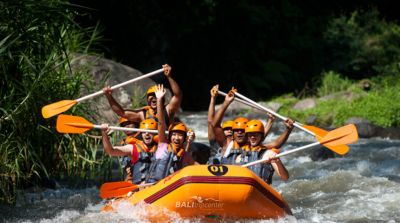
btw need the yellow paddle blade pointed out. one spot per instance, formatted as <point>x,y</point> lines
<point>57,108</point>
<point>337,139</point>
<point>319,133</point>
<point>72,124</point>
<point>116,189</point>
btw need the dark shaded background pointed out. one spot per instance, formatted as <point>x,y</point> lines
<point>264,48</point>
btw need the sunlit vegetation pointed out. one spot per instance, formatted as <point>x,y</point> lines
<point>37,41</point>
<point>362,45</point>
<point>377,105</point>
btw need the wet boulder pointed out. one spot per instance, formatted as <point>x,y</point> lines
<point>104,72</point>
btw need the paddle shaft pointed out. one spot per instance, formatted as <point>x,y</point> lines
<point>242,101</point>
<point>120,85</point>
<point>283,154</point>
<point>274,113</point>
<point>128,129</point>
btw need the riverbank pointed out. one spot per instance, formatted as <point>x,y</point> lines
<point>369,104</point>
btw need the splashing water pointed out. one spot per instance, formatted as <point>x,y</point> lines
<point>362,186</point>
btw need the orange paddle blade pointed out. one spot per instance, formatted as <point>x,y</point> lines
<point>317,131</point>
<point>337,139</point>
<point>57,108</point>
<point>116,189</point>
<point>320,133</point>
<point>72,124</point>
<point>340,149</point>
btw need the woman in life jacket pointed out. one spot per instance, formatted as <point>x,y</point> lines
<point>149,111</point>
<point>171,155</point>
<point>140,152</point>
<point>255,150</point>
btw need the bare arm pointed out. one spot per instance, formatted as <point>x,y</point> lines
<point>160,92</point>
<point>114,151</point>
<point>176,100</point>
<point>276,163</point>
<point>211,112</point>
<point>216,123</point>
<point>280,169</point>
<point>283,137</point>
<point>267,129</point>
<point>117,108</point>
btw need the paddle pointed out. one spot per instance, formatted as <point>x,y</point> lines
<point>119,189</point>
<point>314,131</point>
<point>340,136</point>
<point>242,101</point>
<point>77,124</point>
<point>61,106</point>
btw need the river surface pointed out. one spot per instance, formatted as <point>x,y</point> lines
<point>362,186</point>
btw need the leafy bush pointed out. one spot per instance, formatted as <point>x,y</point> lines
<point>379,107</point>
<point>37,39</point>
<point>332,82</point>
<point>363,45</point>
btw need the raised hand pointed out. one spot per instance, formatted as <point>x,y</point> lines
<point>214,91</point>
<point>104,127</point>
<point>271,117</point>
<point>231,95</point>
<point>167,70</point>
<point>289,123</point>
<point>160,91</point>
<point>191,136</point>
<point>107,90</point>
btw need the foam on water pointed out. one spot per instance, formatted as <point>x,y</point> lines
<point>362,186</point>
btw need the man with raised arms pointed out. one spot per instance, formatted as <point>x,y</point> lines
<point>150,111</point>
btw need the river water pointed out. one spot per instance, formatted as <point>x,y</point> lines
<point>362,186</point>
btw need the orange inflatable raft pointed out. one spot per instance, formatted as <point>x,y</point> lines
<point>213,191</point>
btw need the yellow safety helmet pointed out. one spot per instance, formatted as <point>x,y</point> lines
<point>227,124</point>
<point>151,90</point>
<point>148,124</point>
<point>177,126</point>
<point>239,123</point>
<point>254,126</point>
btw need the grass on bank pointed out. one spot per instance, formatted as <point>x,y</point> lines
<point>340,99</point>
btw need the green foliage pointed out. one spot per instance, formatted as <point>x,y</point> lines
<point>332,82</point>
<point>363,45</point>
<point>37,40</point>
<point>379,105</point>
<point>138,99</point>
<point>287,101</point>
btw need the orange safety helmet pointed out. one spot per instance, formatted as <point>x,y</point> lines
<point>177,126</point>
<point>122,120</point>
<point>227,124</point>
<point>254,126</point>
<point>151,90</point>
<point>239,123</point>
<point>148,124</point>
